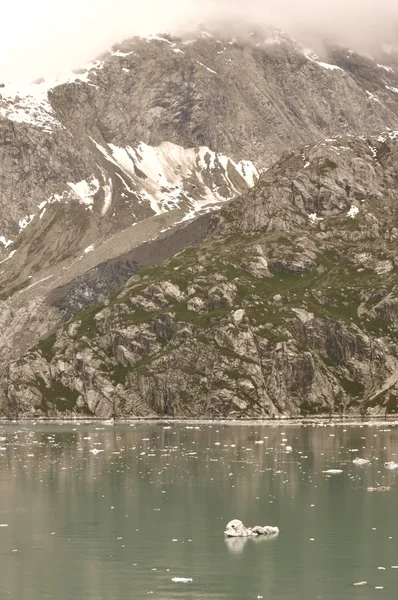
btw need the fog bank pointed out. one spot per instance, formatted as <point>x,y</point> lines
<point>41,37</point>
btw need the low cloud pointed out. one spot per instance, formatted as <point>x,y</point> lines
<point>41,37</point>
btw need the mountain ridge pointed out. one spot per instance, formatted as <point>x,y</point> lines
<point>102,173</point>
<point>287,308</point>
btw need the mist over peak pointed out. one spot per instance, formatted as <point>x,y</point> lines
<point>44,37</point>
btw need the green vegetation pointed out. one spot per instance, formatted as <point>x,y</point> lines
<point>46,347</point>
<point>88,326</point>
<point>58,395</point>
<point>353,388</point>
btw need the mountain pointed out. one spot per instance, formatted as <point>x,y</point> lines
<point>120,165</point>
<point>288,307</point>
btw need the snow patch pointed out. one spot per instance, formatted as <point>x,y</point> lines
<point>392,89</point>
<point>122,54</point>
<point>28,104</point>
<point>5,242</point>
<point>36,283</point>
<point>352,213</point>
<point>165,176</point>
<point>152,38</point>
<point>248,171</point>
<point>313,57</point>
<point>85,191</point>
<point>107,197</point>
<point>210,70</point>
<point>23,223</point>
<point>313,217</point>
<point>372,97</point>
<point>388,69</point>
<point>8,257</point>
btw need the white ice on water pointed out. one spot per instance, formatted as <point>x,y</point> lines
<point>333,471</point>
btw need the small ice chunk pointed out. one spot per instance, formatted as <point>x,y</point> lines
<point>361,461</point>
<point>391,465</point>
<point>333,471</point>
<point>182,579</point>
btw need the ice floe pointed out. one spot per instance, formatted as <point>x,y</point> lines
<point>236,528</point>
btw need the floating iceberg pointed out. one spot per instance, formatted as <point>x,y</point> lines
<point>236,528</point>
<point>361,461</point>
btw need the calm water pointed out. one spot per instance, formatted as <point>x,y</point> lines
<point>153,505</point>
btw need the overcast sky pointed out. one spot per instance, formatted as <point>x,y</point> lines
<point>41,37</point>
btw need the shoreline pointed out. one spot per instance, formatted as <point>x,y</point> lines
<point>316,419</point>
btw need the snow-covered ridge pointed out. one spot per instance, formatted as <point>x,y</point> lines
<point>313,57</point>
<point>29,103</point>
<point>169,176</point>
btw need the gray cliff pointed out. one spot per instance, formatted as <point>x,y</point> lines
<point>288,307</point>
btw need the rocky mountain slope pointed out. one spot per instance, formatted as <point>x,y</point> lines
<point>288,307</point>
<point>105,170</point>
<point>115,137</point>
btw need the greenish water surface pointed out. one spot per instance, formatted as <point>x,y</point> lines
<point>153,502</point>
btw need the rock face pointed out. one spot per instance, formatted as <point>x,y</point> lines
<point>236,528</point>
<point>313,331</point>
<point>163,122</point>
<point>287,306</point>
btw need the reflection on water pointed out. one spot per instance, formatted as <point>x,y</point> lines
<point>102,512</point>
<point>236,544</point>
